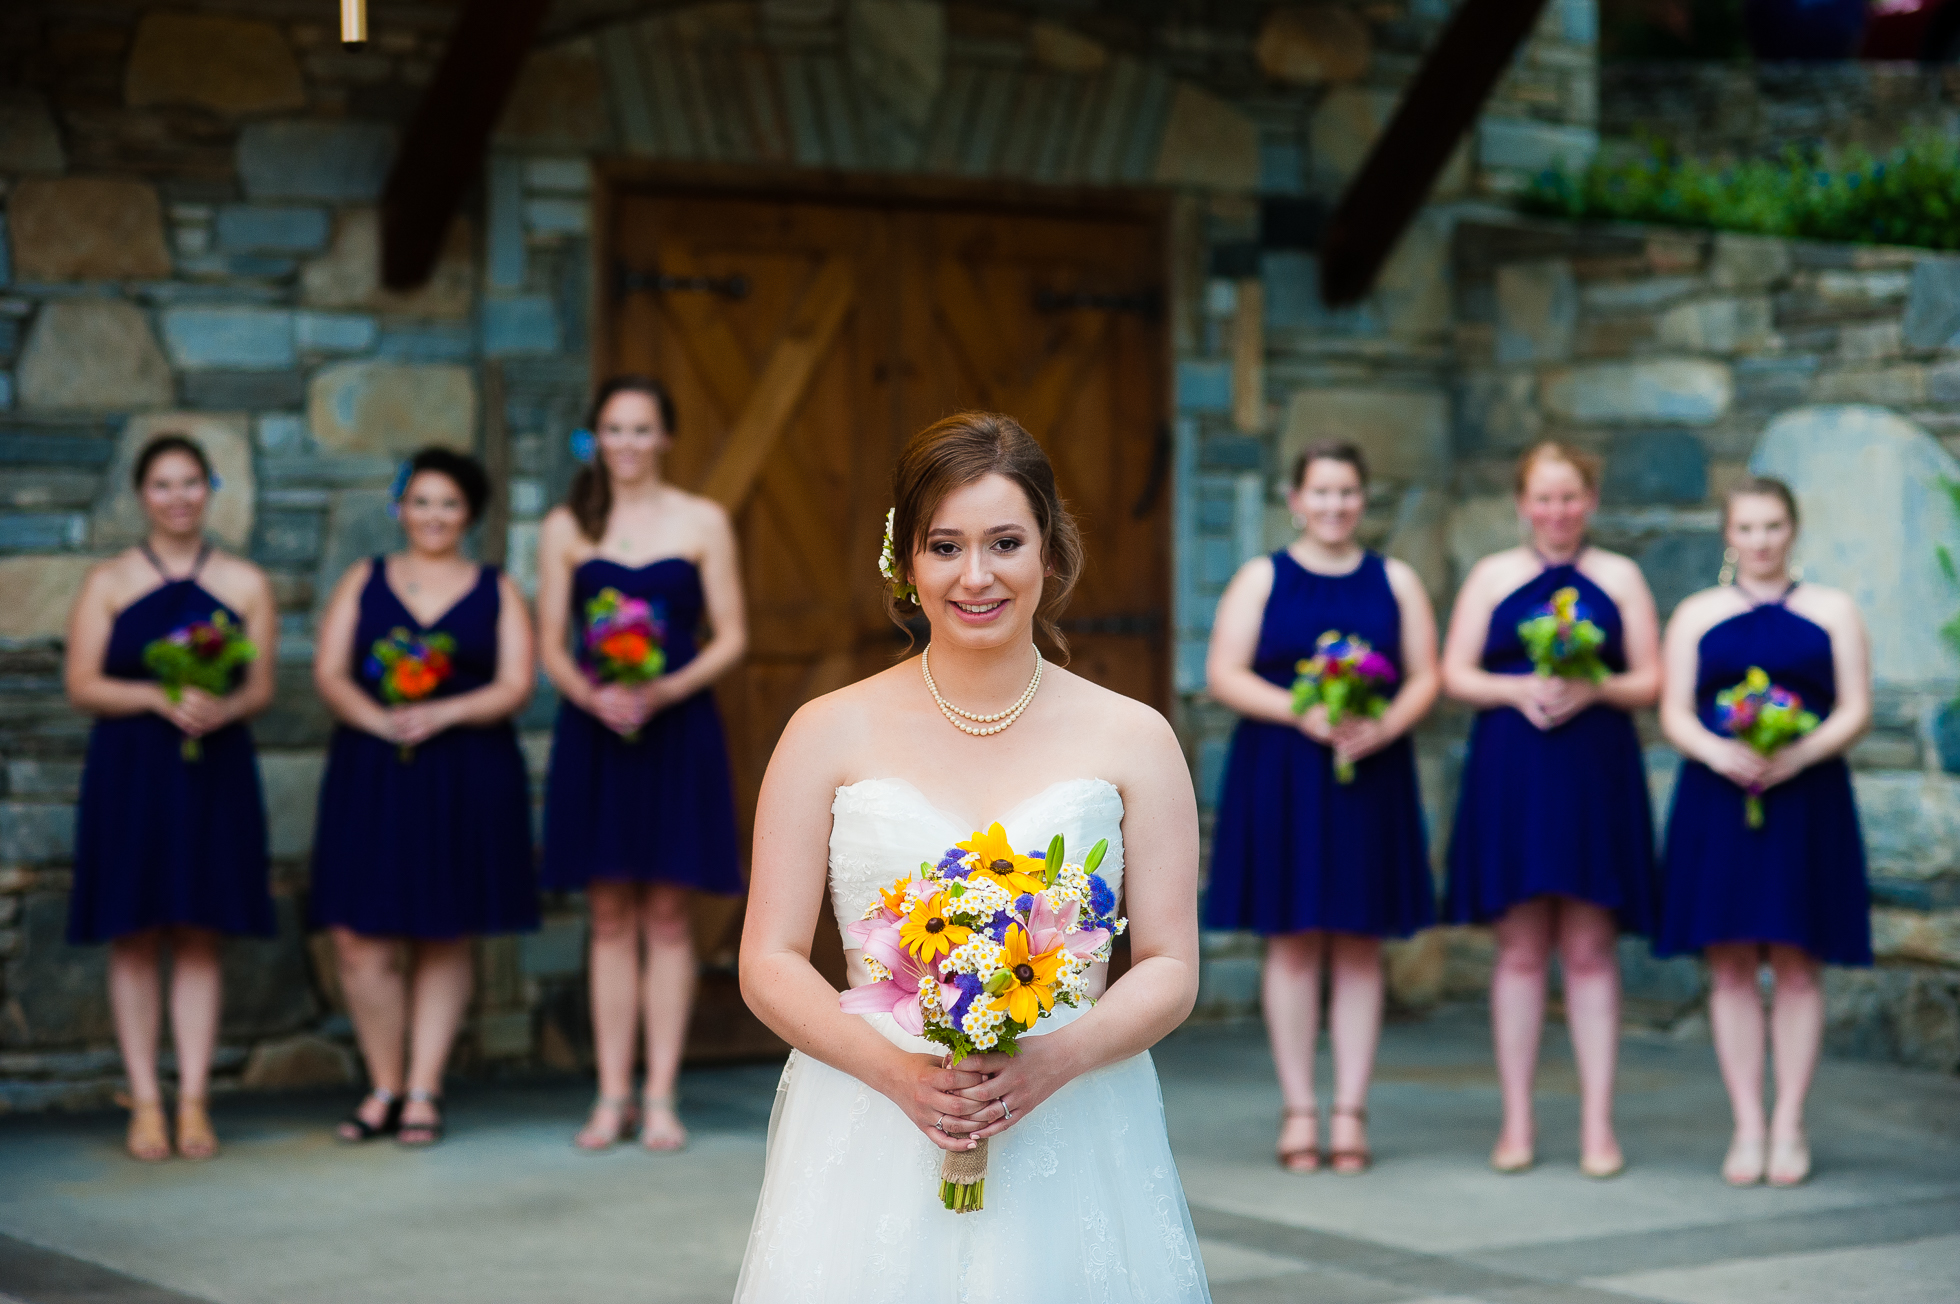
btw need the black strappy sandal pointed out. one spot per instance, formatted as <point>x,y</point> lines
<point>354,1130</point>
<point>416,1136</point>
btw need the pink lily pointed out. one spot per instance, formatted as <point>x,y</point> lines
<point>1049,924</point>
<point>897,995</point>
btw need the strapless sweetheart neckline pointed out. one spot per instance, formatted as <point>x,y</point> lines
<point>959,822</point>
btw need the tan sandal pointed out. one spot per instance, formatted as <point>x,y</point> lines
<point>1356,1161</point>
<point>1789,1162</point>
<point>593,1138</point>
<point>195,1139</point>
<point>652,1138</point>
<point>149,1135</point>
<point>1744,1164</point>
<point>1512,1162</point>
<point>1301,1159</point>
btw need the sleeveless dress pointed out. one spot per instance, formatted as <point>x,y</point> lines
<point>438,846</point>
<point>658,809</point>
<point>160,840</point>
<point>1562,811</point>
<point>1294,849</point>
<point>1083,1198</point>
<point>1800,878</point>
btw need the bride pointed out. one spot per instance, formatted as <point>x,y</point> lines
<point>1082,1200</point>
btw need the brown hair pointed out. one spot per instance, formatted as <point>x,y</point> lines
<point>1329,450</point>
<point>462,470</point>
<point>590,497</point>
<point>1760,486</point>
<point>1588,465</point>
<point>952,453</point>
<point>169,442</point>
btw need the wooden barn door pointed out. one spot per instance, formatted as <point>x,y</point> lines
<point>804,342</point>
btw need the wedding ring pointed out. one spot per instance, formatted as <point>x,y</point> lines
<point>940,1123</point>
<point>1005,1110</point>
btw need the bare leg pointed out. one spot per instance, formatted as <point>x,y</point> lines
<point>439,997</point>
<point>1735,1016</point>
<point>371,978</point>
<point>615,976</point>
<point>1354,1023</point>
<point>1797,1021</point>
<point>136,1000</point>
<point>1289,994</point>
<point>670,981</point>
<point>196,997</point>
<point>1517,1016</point>
<point>1589,955</point>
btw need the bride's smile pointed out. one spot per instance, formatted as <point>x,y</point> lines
<point>981,570</point>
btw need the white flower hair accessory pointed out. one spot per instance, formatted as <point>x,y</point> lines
<point>888,564</point>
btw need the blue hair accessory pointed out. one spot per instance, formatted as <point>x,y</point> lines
<point>217,482</point>
<point>583,445</point>
<point>397,487</point>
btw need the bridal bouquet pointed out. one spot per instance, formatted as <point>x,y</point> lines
<point>1562,641</point>
<point>1348,677</point>
<point>203,655</point>
<point>623,641</point>
<point>972,951</point>
<point>1763,717</point>
<point>409,668</point>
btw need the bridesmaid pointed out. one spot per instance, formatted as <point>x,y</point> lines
<point>1791,893</point>
<point>1323,869</point>
<point>639,806</point>
<point>1554,840</point>
<point>424,829</point>
<point>169,852</point>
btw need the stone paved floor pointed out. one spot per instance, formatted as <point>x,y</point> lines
<point>506,1210</point>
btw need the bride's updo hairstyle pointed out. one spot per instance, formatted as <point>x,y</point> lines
<point>952,453</point>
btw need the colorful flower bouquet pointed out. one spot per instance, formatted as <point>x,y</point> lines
<point>409,668</point>
<point>971,952</point>
<point>1764,718</point>
<point>623,641</point>
<point>1562,641</point>
<point>1348,677</point>
<point>202,654</point>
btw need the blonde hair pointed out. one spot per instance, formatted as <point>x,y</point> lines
<point>1588,465</point>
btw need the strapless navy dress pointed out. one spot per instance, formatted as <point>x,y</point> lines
<point>1800,878</point>
<point>160,840</point>
<point>1559,812</point>
<point>657,809</point>
<point>439,846</point>
<point>1293,848</point>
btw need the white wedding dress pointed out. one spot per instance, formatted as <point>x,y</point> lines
<point>1082,1200</point>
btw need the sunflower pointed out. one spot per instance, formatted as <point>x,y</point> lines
<point>999,862</point>
<point>1029,990</point>
<point>928,934</point>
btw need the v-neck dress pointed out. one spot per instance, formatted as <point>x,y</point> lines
<point>438,846</point>
<point>160,840</point>
<point>1294,849</point>
<point>1800,878</point>
<point>1552,812</point>
<point>659,808</point>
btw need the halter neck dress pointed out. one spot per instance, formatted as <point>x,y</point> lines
<point>661,807</point>
<point>1294,849</point>
<point>1563,811</point>
<point>160,840</point>
<point>1800,878</point>
<point>438,846</point>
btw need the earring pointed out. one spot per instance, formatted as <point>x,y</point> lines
<point>1729,558</point>
<point>1796,573</point>
<point>1299,521</point>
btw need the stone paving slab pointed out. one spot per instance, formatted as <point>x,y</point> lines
<point>508,1210</point>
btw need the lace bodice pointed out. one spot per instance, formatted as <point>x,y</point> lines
<point>882,828</point>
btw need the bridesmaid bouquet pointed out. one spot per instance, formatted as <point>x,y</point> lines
<point>1562,641</point>
<point>973,951</point>
<point>410,668</point>
<point>203,655</point>
<point>1347,676</point>
<point>1763,717</point>
<point>622,641</point>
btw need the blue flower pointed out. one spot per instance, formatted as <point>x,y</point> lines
<point>1101,900</point>
<point>949,864</point>
<point>997,928</point>
<point>374,668</point>
<point>583,445</point>
<point>1024,902</point>
<point>970,986</point>
<point>1037,855</point>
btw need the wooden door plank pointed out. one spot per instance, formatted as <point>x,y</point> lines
<point>798,513</point>
<point>970,322</point>
<point>1041,404</point>
<point>779,389</point>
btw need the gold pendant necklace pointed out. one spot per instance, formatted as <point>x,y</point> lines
<point>993,723</point>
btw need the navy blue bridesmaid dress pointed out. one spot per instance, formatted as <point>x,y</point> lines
<point>1562,811</point>
<point>1294,849</point>
<point>436,847</point>
<point>160,840</point>
<point>661,807</point>
<point>1800,878</point>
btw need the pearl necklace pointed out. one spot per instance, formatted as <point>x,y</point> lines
<point>958,718</point>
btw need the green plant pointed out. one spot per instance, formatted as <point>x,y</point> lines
<point>1950,631</point>
<point>1912,197</point>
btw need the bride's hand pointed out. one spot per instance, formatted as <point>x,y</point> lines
<point>930,1093</point>
<point>1023,1080</point>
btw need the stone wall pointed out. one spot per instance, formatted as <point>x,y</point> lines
<point>188,239</point>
